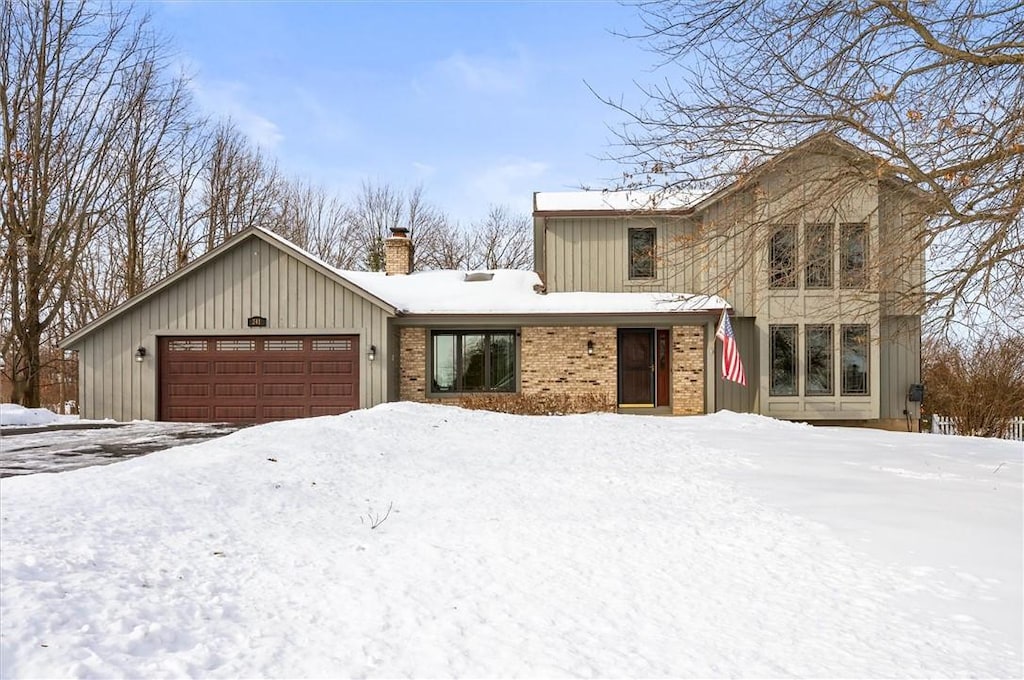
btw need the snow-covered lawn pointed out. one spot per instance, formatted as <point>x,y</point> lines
<point>15,415</point>
<point>606,545</point>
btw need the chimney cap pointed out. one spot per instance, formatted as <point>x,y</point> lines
<point>400,232</point>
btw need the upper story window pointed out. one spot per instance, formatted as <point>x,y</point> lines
<point>782,257</point>
<point>473,361</point>
<point>642,250</point>
<point>782,350</point>
<point>818,250</point>
<point>853,255</point>
<point>854,357</point>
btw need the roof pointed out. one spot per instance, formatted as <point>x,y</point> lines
<point>508,291</point>
<point>497,292</point>
<point>684,201</point>
<point>252,232</point>
<point>618,201</point>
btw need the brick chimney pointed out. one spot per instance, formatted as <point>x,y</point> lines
<point>398,252</point>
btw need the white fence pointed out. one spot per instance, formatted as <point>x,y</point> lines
<point>944,425</point>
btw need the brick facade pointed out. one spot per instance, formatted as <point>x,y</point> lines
<point>554,360</point>
<point>687,370</point>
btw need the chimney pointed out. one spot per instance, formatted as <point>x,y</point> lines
<point>398,252</point>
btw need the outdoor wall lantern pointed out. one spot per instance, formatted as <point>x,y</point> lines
<point>372,354</point>
<point>140,354</point>
<point>590,347</point>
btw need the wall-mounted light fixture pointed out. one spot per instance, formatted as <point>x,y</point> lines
<point>140,354</point>
<point>590,347</point>
<point>372,354</point>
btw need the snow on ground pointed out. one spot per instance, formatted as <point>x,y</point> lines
<point>15,415</point>
<point>607,545</point>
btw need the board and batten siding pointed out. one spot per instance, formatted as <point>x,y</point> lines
<point>899,363</point>
<point>592,254</point>
<point>252,278</point>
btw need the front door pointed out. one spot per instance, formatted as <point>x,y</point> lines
<point>636,367</point>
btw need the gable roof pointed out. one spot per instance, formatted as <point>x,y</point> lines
<point>252,232</point>
<point>683,202</point>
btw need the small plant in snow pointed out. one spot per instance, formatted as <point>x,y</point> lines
<point>374,519</point>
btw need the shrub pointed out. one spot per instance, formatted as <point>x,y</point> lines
<point>978,384</point>
<point>546,404</point>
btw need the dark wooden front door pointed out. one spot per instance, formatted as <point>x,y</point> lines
<point>256,379</point>
<point>636,367</point>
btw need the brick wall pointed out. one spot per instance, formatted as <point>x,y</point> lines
<point>687,370</point>
<point>554,360</point>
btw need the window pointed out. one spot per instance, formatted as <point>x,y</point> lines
<point>818,348</point>
<point>186,345</point>
<point>818,249</point>
<point>782,347</point>
<point>236,345</point>
<point>642,250</point>
<point>290,345</point>
<point>332,345</point>
<point>853,255</point>
<point>855,359</point>
<point>782,257</point>
<point>473,361</point>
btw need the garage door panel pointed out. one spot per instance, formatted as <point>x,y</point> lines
<point>284,389</point>
<point>188,367</point>
<point>235,390</point>
<point>332,367</point>
<point>284,367</point>
<point>188,413</point>
<point>189,390</point>
<point>257,379</point>
<point>234,367</point>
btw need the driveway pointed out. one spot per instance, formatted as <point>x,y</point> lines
<point>56,448</point>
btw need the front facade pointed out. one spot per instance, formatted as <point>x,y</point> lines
<point>621,315</point>
<point>825,291</point>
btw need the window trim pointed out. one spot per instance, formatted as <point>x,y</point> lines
<point>866,330</point>
<point>458,334</point>
<point>830,363</point>
<point>772,388</point>
<point>779,278</point>
<point>633,257</point>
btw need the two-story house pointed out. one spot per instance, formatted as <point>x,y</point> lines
<point>812,255</point>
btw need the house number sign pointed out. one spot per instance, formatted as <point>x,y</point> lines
<point>257,321</point>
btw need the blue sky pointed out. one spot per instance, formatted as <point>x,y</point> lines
<point>480,103</point>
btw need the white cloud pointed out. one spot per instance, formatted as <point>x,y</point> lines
<point>486,75</point>
<point>228,99</point>
<point>511,183</point>
<point>423,170</point>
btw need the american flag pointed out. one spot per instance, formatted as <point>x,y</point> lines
<point>732,365</point>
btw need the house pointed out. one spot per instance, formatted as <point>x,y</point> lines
<point>621,311</point>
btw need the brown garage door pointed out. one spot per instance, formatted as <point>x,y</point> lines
<point>257,379</point>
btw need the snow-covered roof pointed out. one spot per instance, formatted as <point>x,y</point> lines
<point>615,200</point>
<point>511,291</point>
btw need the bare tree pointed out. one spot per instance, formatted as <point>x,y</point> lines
<point>378,208</point>
<point>503,240</point>
<point>935,90</point>
<point>243,188</point>
<point>319,222</point>
<point>158,113</point>
<point>64,104</point>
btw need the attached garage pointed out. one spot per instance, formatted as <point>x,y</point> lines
<point>250,379</point>
<point>253,331</point>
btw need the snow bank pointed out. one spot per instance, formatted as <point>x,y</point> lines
<point>14,414</point>
<point>599,545</point>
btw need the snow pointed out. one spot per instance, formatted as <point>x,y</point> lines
<point>615,200</point>
<point>512,291</point>
<point>15,415</point>
<point>608,545</point>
